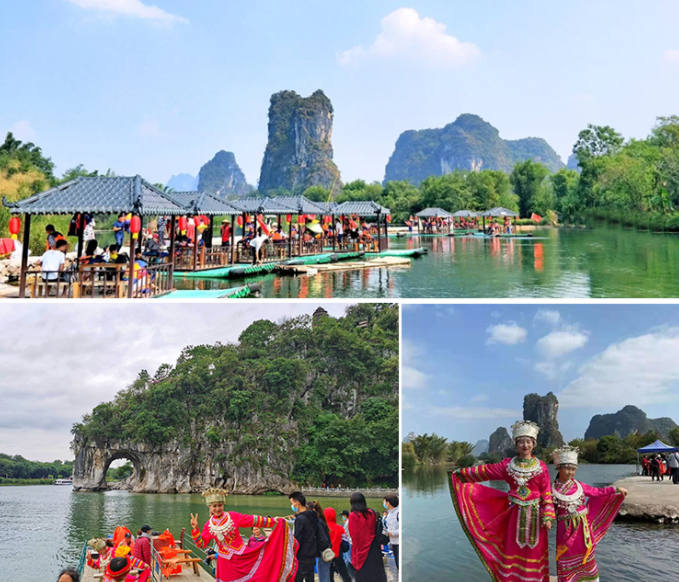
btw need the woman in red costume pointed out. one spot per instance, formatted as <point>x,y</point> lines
<point>509,530</point>
<point>583,514</point>
<point>272,561</point>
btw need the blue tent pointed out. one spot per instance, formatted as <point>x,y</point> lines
<point>656,447</point>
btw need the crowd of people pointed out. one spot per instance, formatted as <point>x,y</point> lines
<point>439,224</point>
<point>656,466</point>
<point>307,543</point>
<point>510,531</point>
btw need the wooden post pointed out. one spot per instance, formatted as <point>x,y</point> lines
<point>386,233</point>
<point>334,238</point>
<point>24,256</point>
<point>81,234</point>
<point>233,236</point>
<point>290,238</point>
<point>195,249</point>
<point>210,232</point>
<point>299,234</point>
<point>173,233</point>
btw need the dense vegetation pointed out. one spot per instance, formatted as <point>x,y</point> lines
<point>17,467</point>
<point>329,390</point>
<point>434,450</point>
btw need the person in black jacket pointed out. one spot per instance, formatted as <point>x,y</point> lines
<point>306,523</point>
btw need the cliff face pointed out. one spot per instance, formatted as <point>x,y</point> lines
<point>500,441</point>
<point>299,149</point>
<point>481,447</point>
<point>469,143</point>
<point>544,411</point>
<point>183,183</point>
<point>625,422</point>
<point>222,176</point>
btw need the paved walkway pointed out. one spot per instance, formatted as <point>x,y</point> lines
<point>650,500</point>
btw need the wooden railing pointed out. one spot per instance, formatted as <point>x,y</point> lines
<point>50,284</point>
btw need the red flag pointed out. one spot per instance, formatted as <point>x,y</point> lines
<point>535,217</point>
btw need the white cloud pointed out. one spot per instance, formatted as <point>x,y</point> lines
<point>23,131</point>
<point>641,370</point>
<point>411,352</point>
<point>552,370</point>
<point>559,343</point>
<point>134,8</point>
<point>444,311</point>
<point>406,35</point>
<point>552,317</point>
<point>671,56</point>
<point>150,128</point>
<point>463,413</point>
<point>414,378</point>
<point>506,333</point>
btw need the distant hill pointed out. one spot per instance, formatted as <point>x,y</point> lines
<point>573,163</point>
<point>627,421</point>
<point>469,143</point>
<point>183,183</point>
<point>481,447</point>
<point>223,177</point>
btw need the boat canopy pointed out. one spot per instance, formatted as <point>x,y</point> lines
<point>433,213</point>
<point>499,211</point>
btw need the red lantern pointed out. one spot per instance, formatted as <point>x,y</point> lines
<point>288,218</point>
<point>312,217</point>
<point>14,226</point>
<point>247,218</point>
<point>240,221</point>
<point>388,217</point>
<point>181,223</point>
<point>135,226</point>
<point>197,221</point>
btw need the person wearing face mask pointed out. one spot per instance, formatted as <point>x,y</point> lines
<point>509,531</point>
<point>306,524</point>
<point>390,503</point>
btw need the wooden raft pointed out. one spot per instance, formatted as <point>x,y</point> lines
<point>371,264</point>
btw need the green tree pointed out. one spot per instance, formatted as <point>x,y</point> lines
<point>527,179</point>
<point>596,141</point>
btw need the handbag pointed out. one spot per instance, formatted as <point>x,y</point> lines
<point>327,555</point>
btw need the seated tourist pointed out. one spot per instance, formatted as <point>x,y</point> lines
<point>52,261</point>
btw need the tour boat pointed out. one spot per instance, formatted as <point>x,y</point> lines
<point>67,481</point>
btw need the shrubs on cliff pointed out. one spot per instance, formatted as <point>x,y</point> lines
<point>327,390</point>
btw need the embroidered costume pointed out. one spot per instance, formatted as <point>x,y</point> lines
<point>507,529</point>
<point>584,514</point>
<point>272,561</point>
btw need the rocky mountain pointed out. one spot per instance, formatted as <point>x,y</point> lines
<point>544,411</point>
<point>500,441</point>
<point>299,149</point>
<point>573,163</point>
<point>183,183</point>
<point>627,421</point>
<point>469,143</point>
<point>223,177</point>
<point>481,447</point>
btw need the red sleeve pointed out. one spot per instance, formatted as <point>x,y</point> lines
<point>251,520</point>
<point>139,565</point>
<point>488,472</point>
<point>598,491</point>
<point>546,493</point>
<point>202,540</point>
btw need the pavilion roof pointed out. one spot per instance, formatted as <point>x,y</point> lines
<point>203,203</point>
<point>361,208</point>
<point>301,204</point>
<point>433,212</point>
<point>465,213</point>
<point>498,211</point>
<point>99,195</point>
<point>261,206</point>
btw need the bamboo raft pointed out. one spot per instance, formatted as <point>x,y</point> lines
<point>330,267</point>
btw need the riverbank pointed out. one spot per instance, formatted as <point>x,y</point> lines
<point>15,482</point>
<point>651,501</point>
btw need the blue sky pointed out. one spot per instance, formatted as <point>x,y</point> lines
<point>158,89</point>
<point>468,367</point>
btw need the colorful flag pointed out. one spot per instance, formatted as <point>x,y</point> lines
<point>535,217</point>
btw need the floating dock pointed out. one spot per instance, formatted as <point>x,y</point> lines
<point>398,253</point>
<point>369,264</point>
<point>654,501</point>
<point>233,293</point>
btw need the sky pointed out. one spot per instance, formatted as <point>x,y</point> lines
<point>59,361</point>
<point>158,87</point>
<point>467,368</point>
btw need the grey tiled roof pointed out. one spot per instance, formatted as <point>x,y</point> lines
<point>301,204</point>
<point>433,212</point>
<point>261,206</point>
<point>99,195</point>
<point>465,213</point>
<point>361,208</point>
<point>498,211</point>
<point>327,207</point>
<point>203,203</point>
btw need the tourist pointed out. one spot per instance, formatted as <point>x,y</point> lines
<point>390,503</point>
<point>257,245</point>
<point>346,543</point>
<point>673,461</point>
<point>119,230</point>
<point>323,567</point>
<point>103,552</point>
<point>583,514</point>
<point>235,559</point>
<point>257,538</point>
<point>142,548</point>
<point>306,523</point>
<point>69,575</point>
<point>366,555</point>
<point>120,568</point>
<point>655,468</point>
<point>160,230</point>
<point>52,261</point>
<point>645,466</point>
<point>509,530</point>
<point>53,236</point>
<point>226,233</point>
<point>336,533</point>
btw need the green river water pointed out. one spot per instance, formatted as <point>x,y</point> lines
<point>43,527</point>
<point>556,262</point>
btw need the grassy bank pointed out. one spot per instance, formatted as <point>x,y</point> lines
<point>26,481</point>
<point>650,221</point>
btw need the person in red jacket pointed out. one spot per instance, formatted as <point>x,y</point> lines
<point>338,565</point>
<point>142,547</point>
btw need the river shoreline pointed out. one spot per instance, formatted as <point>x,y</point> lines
<point>649,501</point>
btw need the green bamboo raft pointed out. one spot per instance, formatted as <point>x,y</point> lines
<point>514,235</point>
<point>235,293</point>
<point>398,253</point>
